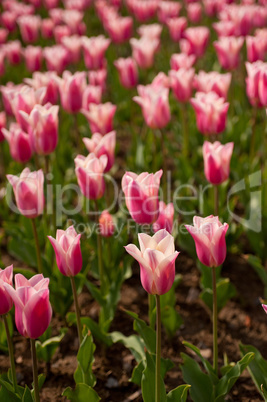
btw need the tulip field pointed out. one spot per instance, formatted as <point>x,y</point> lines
<point>133,200</point>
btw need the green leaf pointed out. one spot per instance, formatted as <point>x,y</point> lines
<point>257,367</point>
<point>7,392</point>
<point>3,338</point>
<point>264,392</point>
<point>27,396</point>
<point>225,291</point>
<point>45,350</point>
<point>81,393</point>
<point>147,333</point>
<point>133,342</point>
<point>178,394</point>
<point>137,373</point>
<point>171,320</point>
<point>148,382</point>
<point>201,385</point>
<point>85,357</point>
<point>229,379</point>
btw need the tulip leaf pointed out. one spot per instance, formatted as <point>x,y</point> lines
<point>148,382</point>
<point>134,343</point>
<point>85,357</point>
<point>147,333</point>
<point>27,396</point>
<point>81,393</point>
<point>178,394</point>
<point>3,338</point>
<point>257,367</point>
<point>225,291</point>
<point>46,346</point>
<point>201,385</point>
<point>7,392</point>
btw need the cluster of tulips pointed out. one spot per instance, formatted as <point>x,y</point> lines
<point>34,110</point>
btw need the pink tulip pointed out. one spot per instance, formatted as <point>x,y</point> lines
<point>19,143</point>
<point>241,16</point>
<point>168,9</point>
<point>6,276</point>
<point>73,44</point>
<point>152,31</point>
<point>33,311</point>
<point>224,28</point>
<point>106,224</point>
<point>71,89</point>
<point>94,49</point>
<point>46,81</point>
<point>143,10</point>
<point>144,51</point>
<point>194,11</point>
<point>50,4</point>
<point>29,27</point>
<point>2,125</point>
<point>29,192</point>
<point>165,219</point>
<point>212,7</point>
<point>217,158</point>
<point>43,128</point>
<point>213,81</point>
<point>176,27</point>
<point>13,52</point>
<point>8,92</point>
<point>256,83</point>
<point>98,78</point>
<point>264,306</point>
<point>47,28</point>
<point>182,83</point>
<point>160,81</point>
<point>89,171</point>
<point>60,32</point>
<point>56,57</point>
<point>68,251</point>
<point>211,112</point>
<point>182,60</point>
<point>120,29</point>
<point>100,117</point>
<point>3,35</point>
<point>157,261</point>
<point>141,195</point>
<point>91,94</point>
<point>155,105</point>
<point>73,19</point>
<point>2,62</point>
<point>56,15</point>
<point>228,51</point>
<point>197,40</point>
<point>256,48</point>
<point>128,72</point>
<point>33,57</point>
<point>209,236</point>
<point>9,19</point>
<point>102,145</point>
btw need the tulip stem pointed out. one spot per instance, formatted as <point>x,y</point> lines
<point>99,252</point>
<point>216,200</point>
<point>215,319</point>
<point>77,310</point>
<point>11,354</point>
<point>35,371</point>
<point>151,304</point>
<point>185,130</point>
<point>253,134</point>
<point>158,350</point>
<point>37,246</point>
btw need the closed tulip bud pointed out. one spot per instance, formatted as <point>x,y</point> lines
<point>155,105</point>
<point>217,158</point>
<point>19,143</point>
<point>197,38</point>
<point>29,27</point>
<point>2,125</point>
<point>156,258</point>
<point>106,224</point>
<point>89,171</point>
<point>128,72</point>
<point>213,81</point>
<point>94,49</point>
<point>102,145</point>
<point>176,27</point>
<point>100,117</point>
<point>209,236</point>
<point>211,112</point>
<point>228,51</point>
<point>6,301</point>
<point>194,11</point>
<point>165,219</point>
<point>33,57</point>
<point>68,251</point>
<point>144,50</point>
<point>167,10</point>
<point>255,87</point>
<point>141,195</point>
<point>43,128</point>
<point>152,31</point>
<point>71,89</point>
<point>182,60</point>
<point>29,192</point>
<point>33,311</point>
<point>182,83</point>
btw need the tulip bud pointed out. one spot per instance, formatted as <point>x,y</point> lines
<point>106,224</point>
<point>217,158</point>
<point>6,302</point>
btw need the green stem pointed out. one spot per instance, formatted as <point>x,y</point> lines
<point>158,350</point>
<point>185,130</point>
<point>215,319</point>
<point>11,354</point>
<point>253,135</point>
<point>151,304</point>
<point>77,310</point>
<point>216,200</point>
<point>99,253</point>
<point>35,371</point>
<point>37,245</point>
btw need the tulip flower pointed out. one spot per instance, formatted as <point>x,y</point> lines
<point>181,82</point>
<point>194,11</point>
<point>155,105</point>
<point>141,196</point>
<point>264,306</point>
<point>228,51</point>
<point>6,301</point>
<point>61,32</point>
<point>152,31</point>
<point>165,219</point>
<point>211,112</point>
<point>48,82</point>
<point>100,117</point>
<point>73,44</point>
<point>217,159</point>
<point>13,52</point>
<point>102,145</point>
<point>224,28</point>
<point>2,125</point>
<point>106,224</point>
<point>128,71</point>
<point>156,258</point>
<point>47,28</point>
<point>3,35</point>
<point>144,51</point>
<point>94,49</point>
<point>29,27</point>
<point>43,123</point>
<point>120,29</point>
<point>2,62</point>
<point>256,48</point>
<point>213,81</point>
<point>176,27</point>
<point>56,57</point>
<point>19,143</point>
<point>160,81</point>
<point>8,93</point>
<point>71,89</point>
<point>91,94</point>
<point>197,40</point>
<point>182,60</point>
<point>143,10</point>
<point>167,10</point>
<point>9,19</point>
<point>89,171</point>
<point>33,57</point>
<point>98,78</point>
